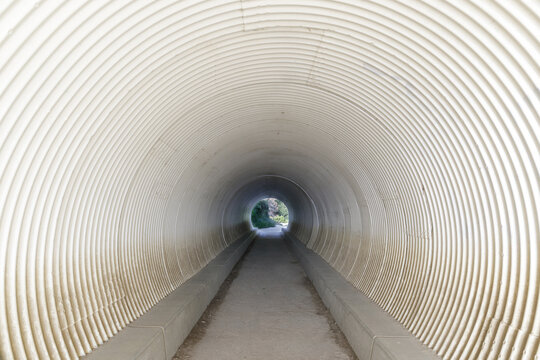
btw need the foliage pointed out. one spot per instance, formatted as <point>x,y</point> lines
<point>267,212</point>
<point>283,211</point>
<point>273,207</point>
<point>259,215</point>
<point>280,219</point>
<point>280,213</point>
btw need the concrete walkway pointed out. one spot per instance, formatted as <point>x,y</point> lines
<point>266,309</point>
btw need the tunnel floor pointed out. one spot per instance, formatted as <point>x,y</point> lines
<point>266,309</point>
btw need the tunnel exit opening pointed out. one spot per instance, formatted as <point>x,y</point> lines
<point>268,213</point>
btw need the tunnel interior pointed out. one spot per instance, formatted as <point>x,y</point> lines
<point>136,136</point>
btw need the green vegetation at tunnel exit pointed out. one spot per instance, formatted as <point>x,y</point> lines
<point>269,212</point>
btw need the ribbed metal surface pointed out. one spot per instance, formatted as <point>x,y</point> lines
<point>134,136</point>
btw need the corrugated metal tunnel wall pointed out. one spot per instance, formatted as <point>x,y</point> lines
<point>403,135</point>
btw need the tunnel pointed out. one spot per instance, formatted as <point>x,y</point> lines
<point>403,136</point>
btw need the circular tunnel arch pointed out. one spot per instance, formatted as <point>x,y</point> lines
<point>405,135</point>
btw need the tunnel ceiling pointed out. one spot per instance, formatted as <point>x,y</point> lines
<point>134,136</point>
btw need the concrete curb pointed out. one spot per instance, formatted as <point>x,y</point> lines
<point>159,332</point>
<point>372,333</point>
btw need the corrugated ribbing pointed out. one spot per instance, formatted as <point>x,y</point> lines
<point>404,135</point>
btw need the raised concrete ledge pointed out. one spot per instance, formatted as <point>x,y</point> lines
<point>372,333</point>
<point>159,332</point>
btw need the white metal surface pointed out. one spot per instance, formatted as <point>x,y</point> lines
<point>404,135</point>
